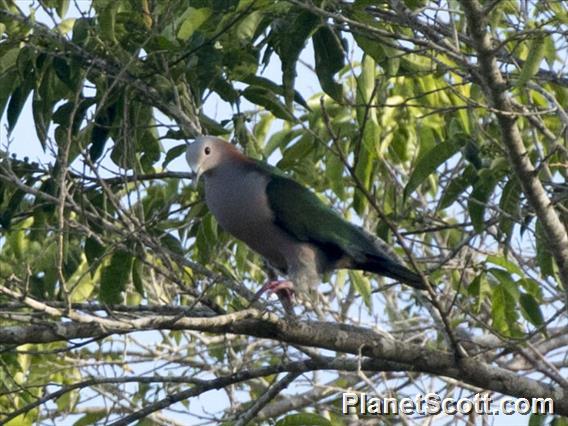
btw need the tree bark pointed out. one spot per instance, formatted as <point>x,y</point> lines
<point>332,336</point>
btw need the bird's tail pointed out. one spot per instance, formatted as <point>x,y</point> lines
<point>389,268</point>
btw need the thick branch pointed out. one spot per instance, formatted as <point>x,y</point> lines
<point>336,337</point>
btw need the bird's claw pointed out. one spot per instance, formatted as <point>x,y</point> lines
<point>283,289</point>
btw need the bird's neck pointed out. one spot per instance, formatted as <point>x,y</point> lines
<point>234,163</point>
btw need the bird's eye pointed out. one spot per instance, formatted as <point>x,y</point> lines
<point>207,150</point>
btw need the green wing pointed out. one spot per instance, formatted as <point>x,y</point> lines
<point>300,212</point>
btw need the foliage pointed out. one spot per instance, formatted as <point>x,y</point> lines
<point>460,170</point>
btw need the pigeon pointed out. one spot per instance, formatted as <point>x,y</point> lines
<point>285,222</point>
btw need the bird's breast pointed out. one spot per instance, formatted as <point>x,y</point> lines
<point>239,202</point>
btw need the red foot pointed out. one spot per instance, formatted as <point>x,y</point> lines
<point>284,289</point>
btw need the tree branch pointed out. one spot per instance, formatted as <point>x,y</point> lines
<point>336,337</point>
<point>494,87</point>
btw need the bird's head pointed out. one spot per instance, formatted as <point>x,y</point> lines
<point>206,153</point>
<point>203,155</point>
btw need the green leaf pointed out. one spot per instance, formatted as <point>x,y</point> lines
<point>193,19</point>
<point>414,4</point>
<point>225,89</point>
<point>457,187</point>
<point>12,207</point>
<point>94,252</point>
<point>150,148</point>
<point>16,104</point>
<point>206,238</point>
<point>413,64</point>
<point>504,263</point>
<point>506,281</point>
<point>107,21</point>
<point>63,72</point>
<point>90,419</point>
<point>530,309</point>
<point>65,26</point>
<point>429,162</point>
<point>280,140</point>
<point>288,38</point>
<point>366,152</point>
<point>471,152</point>
<point>481,289</point>
<point>503,312</point>
<point>65,113</point>
<point>255,80</point>
<point>7,82</point>
<point>247,26</point>
<point>8,76</point>
<point>509,204</point>
<point>534,58</point>
<point>212,127</point>
<point>532,287</point>
<point>115,276</point>
<point>8,59</point>
<point>173,244</point>
<point>138,276</point>
<point>81,30</point>
<point>329,59</point>
<point>368,46</point>
<point>544,257</point>
<point>26,64</point>
<point>101,130</point>
<point>176,135</point>
<point>72,259</point>
<point>303,419</point>
<point>537,420</point>
<point>173,153</point>
<point>50,92</point>
<point>42,116</point>
<point>267,99</point>
<point>550,51</point>
<point>297,152</point>
<point>364,163</point>
<point>381,50</point>
<point>559,421</point>
<point>67,400</point>
<point>334,169</point>
<point>366,82</point>
<point>478,199</point>
<point>362,286</point>
<point>61,8</point>
<point>21,420</point>
<point>261,130</point>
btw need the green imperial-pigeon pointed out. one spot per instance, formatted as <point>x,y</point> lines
<point>283,221</point>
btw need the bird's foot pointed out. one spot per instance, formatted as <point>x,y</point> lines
<point>284,289</point>
<point>280,287</point>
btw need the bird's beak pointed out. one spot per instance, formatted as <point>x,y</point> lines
<point>196,176</point>
<point>193,162</point>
